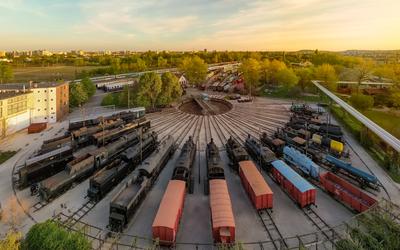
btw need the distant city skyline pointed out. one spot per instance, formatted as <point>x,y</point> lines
<point>273,25</point>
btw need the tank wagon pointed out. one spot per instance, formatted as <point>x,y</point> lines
<point>42,166</point>
<point>302,162</point>
<point>322,142</point>
<point>107,178</point>
<point>346,192</point>
<point>166,223</point>
<point>260,153</point>
<point>302,192</point>
<point>184,163</point>
<point>255,185</point>
<point>124,204</point>
<point>363,178</point>
<point>215,167</point>
<point>236,152</point>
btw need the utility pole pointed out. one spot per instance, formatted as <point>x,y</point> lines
<point>128,97</point>
<point>102,125</point>
<point>141,150</point>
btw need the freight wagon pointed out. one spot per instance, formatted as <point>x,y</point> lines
<point>362,177</point>
<point>83,136</point>
<point>302,162</point>
<point>124,204</point>
<point>302,192</point>
<point>255,185</point>
<point>166,223</point>
<point>42,166</point>
<point>345,192</point>
<point>275,144</point>
<point>222,219</point>
<point>334,147</point>
<point>93,120</point>
<point>104,137</point>
<point>55,143</point>
<point>236,153</point>
<point>261,154</point>
<point>75,171</point>
<point>107,178</point>
<point>184,164</point>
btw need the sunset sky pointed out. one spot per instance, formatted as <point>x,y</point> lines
<point>199,24</point>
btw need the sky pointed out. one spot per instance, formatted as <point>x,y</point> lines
<point>199,24</point>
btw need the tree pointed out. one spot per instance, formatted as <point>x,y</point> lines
<point>170,90</point>
<point>149,88</point>
<point>251,73</point>
<point>195,69</point>
<point>115,65</point>
<point>274,67</point>
<point>362,102</point>
<point>287,78</point>
<point>395,97</point>
<point>49,235</point>
<point>327,74</point>
<point>88,86</point>
<point>6,73</point>
<point>265,66</point>
<point>161,62</point>
<point>139,65</point>
<point>11,241</point>
<point>362,71</point>
<point>305,76</point>
<point>77,94</point>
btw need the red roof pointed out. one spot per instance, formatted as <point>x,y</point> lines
<point>255,179</point>
<point>220,203</point>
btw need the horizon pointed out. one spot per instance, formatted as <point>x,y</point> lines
<point>173,25</point>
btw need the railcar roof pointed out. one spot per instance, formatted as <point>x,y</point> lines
<point>291,175</point>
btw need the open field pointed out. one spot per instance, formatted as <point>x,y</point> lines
<point>5,155</point>
<point>24,74</point>
<point>386,119</point>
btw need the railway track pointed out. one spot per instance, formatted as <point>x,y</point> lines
<point>272,230</point>
<point>81,212</point>
<point>319,223</point>
<point>186,130</point>
<point>229,129</point>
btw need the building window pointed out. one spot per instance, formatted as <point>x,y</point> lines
<point>38,109</point>
<point>45,91</point>
<point>38,100</point>
<point>45,118</point>
<point>51,99</point>
<point>51,90</point>
<point>51,117</point>
<point>45,100</point>
<point>51,108</point>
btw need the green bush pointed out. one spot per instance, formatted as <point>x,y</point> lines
<point>362,102</point>
<point>110,99</point>
<point>50,236</point>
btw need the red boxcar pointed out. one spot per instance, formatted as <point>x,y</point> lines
<point>37,127</point>
<point>346,192</point>
<point>222,220</point>
<point>165,225</point>
<point>295,185</point>
<point>255,185</point>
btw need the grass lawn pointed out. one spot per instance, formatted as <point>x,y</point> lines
<point>284,93</point>
<point>386,119</point>
<point>24,74</point>
<point>5,155</point>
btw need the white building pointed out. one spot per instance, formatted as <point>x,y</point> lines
<point>50,100</point>
<point>183,81</point>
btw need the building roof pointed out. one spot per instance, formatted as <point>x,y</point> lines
<point>21,86</point>
<point>299,182</point>
<point>6,95</point>
<point>254,177</point>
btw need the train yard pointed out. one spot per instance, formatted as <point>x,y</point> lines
<point>204,160</point>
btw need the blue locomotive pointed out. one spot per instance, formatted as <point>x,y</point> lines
<point>305,164</point>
